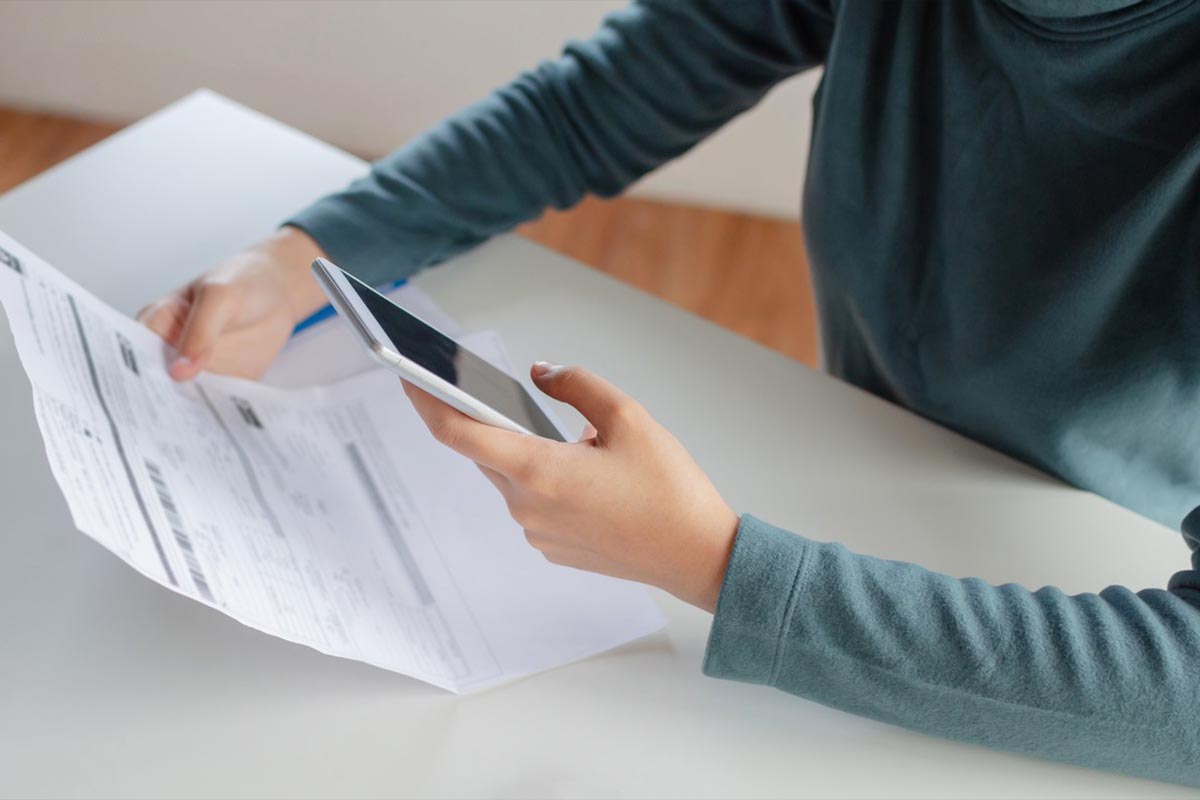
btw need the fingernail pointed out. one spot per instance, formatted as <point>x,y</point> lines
<point>182,362</point>
<point>543,368</point>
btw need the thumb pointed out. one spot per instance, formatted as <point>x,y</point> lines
<point>606,407</point>
<point>213,305</point>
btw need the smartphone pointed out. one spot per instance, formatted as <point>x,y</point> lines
<point>429,359</point>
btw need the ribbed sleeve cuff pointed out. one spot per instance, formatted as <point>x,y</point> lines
<point>766,569</point>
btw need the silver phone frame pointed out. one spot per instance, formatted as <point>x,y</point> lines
<point>348,305</point>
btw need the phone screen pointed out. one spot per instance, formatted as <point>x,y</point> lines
<point>453,363</point>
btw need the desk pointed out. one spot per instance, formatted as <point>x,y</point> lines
<point>110,685</point>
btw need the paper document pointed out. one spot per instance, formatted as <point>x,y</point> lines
<point>326,516</point>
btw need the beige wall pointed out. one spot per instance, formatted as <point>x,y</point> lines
<point>363,75</point>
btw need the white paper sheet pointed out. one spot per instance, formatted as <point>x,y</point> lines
<point>326,516</point>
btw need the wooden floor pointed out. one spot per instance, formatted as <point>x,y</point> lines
<point>743,272</point>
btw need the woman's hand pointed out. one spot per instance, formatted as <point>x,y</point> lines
<point>236,318</point>
<point>627,500</point>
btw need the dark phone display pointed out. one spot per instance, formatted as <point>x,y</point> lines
<point>453,363</point>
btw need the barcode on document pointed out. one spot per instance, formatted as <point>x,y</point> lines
<point>127,354</point>
<point>181,537</point>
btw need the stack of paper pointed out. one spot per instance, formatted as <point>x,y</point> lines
<point>326,516</point>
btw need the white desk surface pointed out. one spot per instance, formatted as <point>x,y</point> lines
<point>111,686</point>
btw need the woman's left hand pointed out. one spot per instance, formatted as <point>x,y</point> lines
<point>626,500</point>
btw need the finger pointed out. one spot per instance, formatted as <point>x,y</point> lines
<point>146,311</point>
<point>537,540</point>
<point>498,480</point>
<point>166,318</point>
<point>213,305</point>
<point>505,452</point>
<point>605,406</point>
<point>589,433</point>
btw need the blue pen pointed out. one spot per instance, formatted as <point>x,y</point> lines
<point>327,311</point>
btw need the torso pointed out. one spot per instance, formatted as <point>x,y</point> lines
<point>1003,223</point>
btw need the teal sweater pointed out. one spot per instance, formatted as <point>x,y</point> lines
<point>1002,212</point>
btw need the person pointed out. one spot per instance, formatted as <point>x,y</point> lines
<point>1002,212</point>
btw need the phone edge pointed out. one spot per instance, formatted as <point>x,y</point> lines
<point>403,367</point>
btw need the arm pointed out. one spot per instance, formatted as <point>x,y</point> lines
<point>1109,680</point>
<point>657,78</point>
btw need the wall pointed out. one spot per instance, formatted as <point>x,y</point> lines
<point>363,75</point>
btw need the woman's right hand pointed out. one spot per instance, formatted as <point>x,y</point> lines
<point>235,318</point>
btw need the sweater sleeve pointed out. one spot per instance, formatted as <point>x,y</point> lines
<point>656,78</point>
<point>1108,680</point>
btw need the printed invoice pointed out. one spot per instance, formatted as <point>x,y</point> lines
<point>325,516</point>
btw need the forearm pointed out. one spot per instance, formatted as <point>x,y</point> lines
<point>657,78</point>
<point>1109,680</point>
